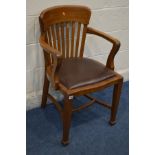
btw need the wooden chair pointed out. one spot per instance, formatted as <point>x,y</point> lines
<point>63,34</point>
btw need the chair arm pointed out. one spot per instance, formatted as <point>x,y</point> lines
<point>47,48</point>
<point>114,41</point>
<point>56,55</point>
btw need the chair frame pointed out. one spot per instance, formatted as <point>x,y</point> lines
<point>51,77</point>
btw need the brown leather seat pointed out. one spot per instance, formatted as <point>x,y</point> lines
<point>77,72</point>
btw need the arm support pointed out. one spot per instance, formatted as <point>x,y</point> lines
<point>114,41</point>
<point>47,48</point>
<point>50,68</point>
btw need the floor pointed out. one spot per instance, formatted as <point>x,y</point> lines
<point>90,133</point>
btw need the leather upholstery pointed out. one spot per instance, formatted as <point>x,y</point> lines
<point>77,72</point>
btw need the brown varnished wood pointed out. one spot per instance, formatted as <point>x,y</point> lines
<point>45,91</point>
<point>61,27</point>
<point>56,55</point>
<point>72,44</point>
<point>77,40</point>
<point>103,103</point>
<point>57,105</point>
<point>91,102</point>
<point>47,48</point>
<point>114,41</point>
<point>91,88</point>
<point>67,113</point>
<point>65,13</point>
<point>63,40</point>
<point>58,36</point>
<point>46,55</point>
<point>115,101</point>
<point>67,40</point>
<point>83,40</point>
<point>84,106</point>
<point>49,36</point>
<point>61,14</point>
<point>53,35</point>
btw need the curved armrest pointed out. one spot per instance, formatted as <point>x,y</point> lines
<point>47,48</point>
<point>114,41</point>
<point>56,55</point>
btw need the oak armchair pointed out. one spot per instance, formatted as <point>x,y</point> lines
<point>63,34</point>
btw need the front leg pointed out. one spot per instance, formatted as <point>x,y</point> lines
<point>115,102</point>
<point>67,114</point>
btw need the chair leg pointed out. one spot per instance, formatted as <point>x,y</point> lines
<point>115,102</point>
<point>67,114</point>
<point>45,92</point>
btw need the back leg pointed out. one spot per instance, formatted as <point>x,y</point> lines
<point>45,92</point>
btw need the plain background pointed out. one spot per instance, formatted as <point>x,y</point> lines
<point>13,77</point>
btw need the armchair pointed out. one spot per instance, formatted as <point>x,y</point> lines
<point>63,34</point>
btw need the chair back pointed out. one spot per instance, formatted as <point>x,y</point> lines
<point>65,28</point>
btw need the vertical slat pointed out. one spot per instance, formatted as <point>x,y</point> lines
<point>49,36</point>
<point>77,40</point>
<point>63,39</point>
<point>67,40</point>
<point>54,37</point>
<point>46,37</point>
<point>58,36</point>
<point>72,44</point>
<point>46,55</point>
<point>83,40</point>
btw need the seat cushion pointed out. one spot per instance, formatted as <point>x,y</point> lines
<point>77,72</point>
